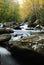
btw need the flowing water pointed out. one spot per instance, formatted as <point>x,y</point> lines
<point>19,34</point>
<point>6,57</point>
<point>1,25</point>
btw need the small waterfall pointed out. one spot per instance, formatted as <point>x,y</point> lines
<point>4,51</point>
<point>6,58</point>
<point>1,25</point>
<point>25,26</point>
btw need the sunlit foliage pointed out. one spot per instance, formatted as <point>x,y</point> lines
<point>9,11</point>
<point>12,11</point>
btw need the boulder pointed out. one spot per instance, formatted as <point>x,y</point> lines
<point>38,27</point>
<point>5,30</point>
<point>17,27</point>
<point>35,43</point>
<point>28,50</point>
<point>5,37</point>
<point>26,56</point>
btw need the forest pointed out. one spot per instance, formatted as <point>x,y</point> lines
<point>27,11</point>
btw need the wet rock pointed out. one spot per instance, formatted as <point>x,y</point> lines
<point>37,21</point>
<point>4,40</point>
<point>28,48</point>
<point>30,28</point>
<point>38,27</point>
<point>35,43</point>
<point>5,37</point>
<point>17,27</point>
<point>4,30</point>
<point>13,25</point>
<point>4,25</point>
<point>27,56</point>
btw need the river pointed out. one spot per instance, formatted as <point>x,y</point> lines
<point>19,34</point>
<point>6,57</point>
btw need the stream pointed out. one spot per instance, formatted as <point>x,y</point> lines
<point>19,34</point>
<point>6,57</point>
<point>24,32</point>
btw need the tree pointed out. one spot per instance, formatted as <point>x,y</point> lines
<point>9,11</point>
<point>4,9</point>
<point>13,12</point>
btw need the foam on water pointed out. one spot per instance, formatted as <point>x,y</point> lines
<point>4,51</point>
<point>15,38</point>
<point>25,26</point>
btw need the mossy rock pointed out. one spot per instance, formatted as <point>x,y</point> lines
<point>31,43</point>
<point>5,37</point>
